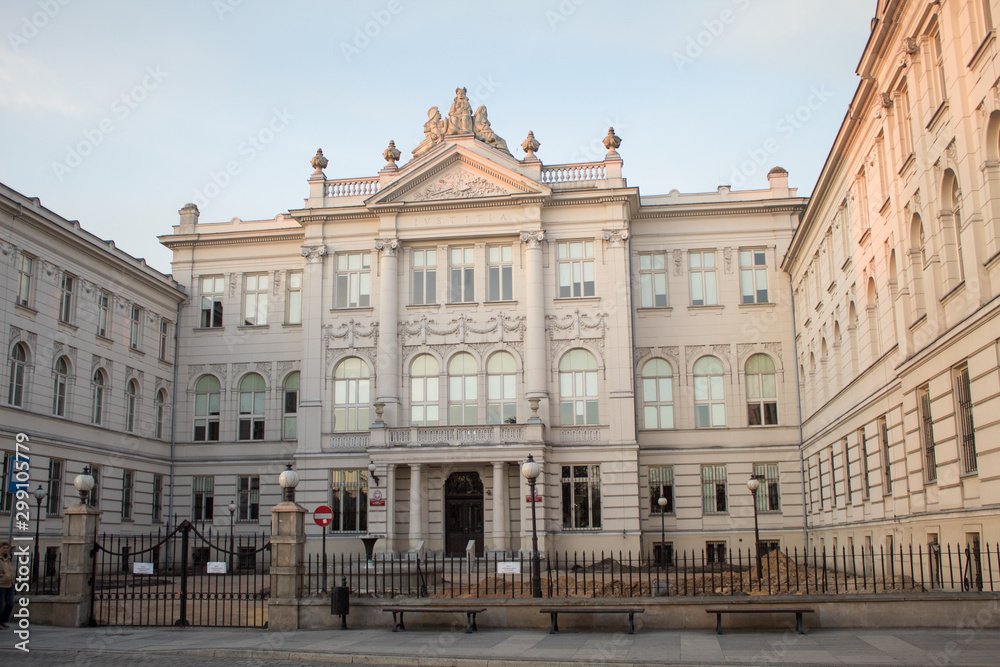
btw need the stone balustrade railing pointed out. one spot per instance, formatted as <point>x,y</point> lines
<point>573,174</point>
<point>348,442</point>
<point>352,187</point>
<point>460,435</point>
<point>575,434</point>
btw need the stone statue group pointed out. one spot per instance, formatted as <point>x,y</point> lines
<point>461,120</point>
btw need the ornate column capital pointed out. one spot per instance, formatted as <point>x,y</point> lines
<point>313,253</point>
<point>388,246</point>
<point>533,239</point>
<point>615,238</point>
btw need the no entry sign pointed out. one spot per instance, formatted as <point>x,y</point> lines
<point>323,516</point>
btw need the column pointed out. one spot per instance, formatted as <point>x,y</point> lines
<point>535,362</point>
<point>310,413</point>
<point>501,518</point>
<point>387,378</point>
<point>71,608</point>
<point>416,504</point>
<point>390,506</point>
<point>288,542</point>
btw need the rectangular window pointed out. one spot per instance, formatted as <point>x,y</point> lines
<point>104,314</point>
<point>6,499</point>
<point>213,289</point>
<point>809,473</point>
<point>54,495</point>
<point>715,552</point>
<point>157,509</point>
<point>753,275</point>
<point>25,269</point>
<point>939,87</point>
<point>463,275</point>
<point>833,479</point>
<point>845,455</point>
<point>967,427</point>
<point>926,433</point>
<point>66,300</point>
<point>128,494</point>
<point>903,123</point>
<point>255,287</point>
<point>135,327</point>
<point>203,503</point>
<point>581,496</point>
<point>164,339</point>
<point>293,298</point>
<point>863,454</point>
<point>652,280</point>
<point>661,485</point>
<point>424,276</point>
<point>94,499</point>
<point>883,435</point>
<point>713,490</point>
<point>349,500</point>
<point>704,289</point>
<point>354,280</point>
<point>576,268</point>
<point>248,502</point>
<point>501,273</point>
<point>819,481</point>
<point>769,494</point>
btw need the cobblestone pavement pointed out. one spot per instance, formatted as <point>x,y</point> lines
<point>90,659</point>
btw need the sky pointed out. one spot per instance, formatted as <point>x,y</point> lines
<point>117,113</point>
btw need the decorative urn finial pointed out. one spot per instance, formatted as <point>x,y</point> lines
<point>530,145</point>
<point>391,154</point>
<point>612,141</point>
<point>319,162</point>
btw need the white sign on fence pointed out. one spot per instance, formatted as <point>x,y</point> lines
<point>508,567</point>
<point>142,568</point>
<point>215,567</point>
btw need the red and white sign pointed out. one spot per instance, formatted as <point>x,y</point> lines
<point>376,499</point>
<point>323,516</point>
<point>538,499</point>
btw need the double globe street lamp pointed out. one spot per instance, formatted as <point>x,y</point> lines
<point>39,494</point>
<point>662,502</point>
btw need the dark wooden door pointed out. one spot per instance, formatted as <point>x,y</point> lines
<point>463,512</point>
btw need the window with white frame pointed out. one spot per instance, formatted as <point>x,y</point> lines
<point>463,275</point>
<point>213,290</point>
<point>135,328</point>
<point>290,407</point>
<point>349,500</point>
<point>704,288</point>
<point>97,397</point>
<point>967,427</point>
<point>67,299</point>
<point>938,83</point>
<point>424,386</point>
<point>248,499</point>
<point>352,396</point>
<point>353,280</point>
<point>709,393</point>
<point>293,298</point>
<point>128,494</point>
<point>657,394</point>
<point>255,289</point>
<point>424,277</point>
<point>753,275</point>
<point>500,273</point>
<point>926,422</point>
<point>206,409</point>
<point>53,497</point>
<point>713,489</point>
<point>157,500</point>
<point>251,408</point>
<point>18,366</point>
<point>131,399</point>
<point>768,493</point>
<point>164,339</point>
<point>578,399</point>
<point>575,261</point>
<point>159,413</point>
<point>463,394</point>
<point>203,502</point>
<point>762,391</point>
<point>581,496</point>
<point>661,485</point>
<point>25,273</point>
<point>652,280</point>
<point>501,383</point>
<point>104,314</point>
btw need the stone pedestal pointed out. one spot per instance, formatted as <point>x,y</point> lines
<point>288,542</point>
<point>72,607</point>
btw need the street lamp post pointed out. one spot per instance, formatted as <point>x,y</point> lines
<point>232,514</point>
<point>530,470</point>
<point>753,484</point>
<point>662,502</point>
<point>39,494</point>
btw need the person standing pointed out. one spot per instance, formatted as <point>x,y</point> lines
<point>6,585</point>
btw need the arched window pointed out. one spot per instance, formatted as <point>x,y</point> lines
<point>709,393</point>
<point>463,402</point>
<point>290,409</point>
<point>578,388</point>
<point>59,387</point>
<point>159,405</point>
<point>206,409</point>
<point>351,395</point>
<point>657,394</point>
<point>873,323</point>
<point>97,392</point>
<point>424,407</point>
<point>762,390</point>
<point>131,398</point>
<point>918,259</point>
<point>251,419</point>
<point>501,381</point>
<point>18,362</point>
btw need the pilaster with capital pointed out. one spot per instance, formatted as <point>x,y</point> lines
<point>310,413</point>
<point>417,524</point>
<point>387,375</point>
<point>535,355</point>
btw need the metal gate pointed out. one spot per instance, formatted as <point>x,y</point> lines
<point>183,577</point>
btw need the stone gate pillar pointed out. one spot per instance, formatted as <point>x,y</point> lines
<point>71,608</point>
<point>288,542</point>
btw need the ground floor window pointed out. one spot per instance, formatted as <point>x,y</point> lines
<point>715,552</point>
<point>581,496</point>
<point>349,500</point>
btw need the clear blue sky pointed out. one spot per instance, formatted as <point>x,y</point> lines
<point>117,113</point>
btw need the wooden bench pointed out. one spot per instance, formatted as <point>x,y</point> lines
<point>470,614</point>
<point>554,612</point>
<point>761,610</point>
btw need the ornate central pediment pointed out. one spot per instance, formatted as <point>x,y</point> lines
<point>459,183</point>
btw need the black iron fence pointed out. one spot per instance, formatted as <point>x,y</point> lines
<point>689,573</point>
<point>45,574</point>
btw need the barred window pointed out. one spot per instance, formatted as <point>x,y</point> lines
<point>769,494</point>
<point>349,500</point>
<point>863,445</point>
<point>203,505</point>
<point>883,434</point>
<point>661,485</point>
<point>833,479</point>
<point>54,495</point>
<point>845,454</point>
<point>128,494</point>
<point>581,496</point>
<point>926,433</point>
<point>713,489</point>
<point>248,498</point>
<point>715,552</point>
<point>157,508</point>
<point>967,427</point>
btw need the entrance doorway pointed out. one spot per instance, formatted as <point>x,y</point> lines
<point>463,511</point>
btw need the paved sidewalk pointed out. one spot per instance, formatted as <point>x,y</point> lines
<point>535,648</point>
